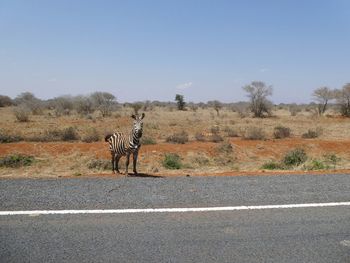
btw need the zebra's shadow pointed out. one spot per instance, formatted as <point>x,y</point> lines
<point>145,175</point>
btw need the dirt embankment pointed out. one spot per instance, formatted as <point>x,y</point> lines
<point>248,155</point>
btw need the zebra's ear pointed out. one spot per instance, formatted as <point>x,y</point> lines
<point>133,116</point>
<point>143,115</point>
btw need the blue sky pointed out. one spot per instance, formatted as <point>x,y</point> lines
<point>151,50</point>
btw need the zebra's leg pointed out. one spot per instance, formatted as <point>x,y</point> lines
<point>127,164</point>
<point>135,154</point>
<point>117,158</point>
<point>113,156</point>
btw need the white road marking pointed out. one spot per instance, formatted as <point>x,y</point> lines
<point>171,210</point>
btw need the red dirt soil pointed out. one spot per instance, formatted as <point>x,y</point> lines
<point>245,151</point>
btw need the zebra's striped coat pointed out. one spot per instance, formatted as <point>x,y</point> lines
<point>122,145</point>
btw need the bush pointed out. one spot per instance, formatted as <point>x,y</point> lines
<point>272,166</point>
<point>16,160</point>
<point>281,132</point>
<point>5,101</point>
<point>69,134</point>
<point>148,141</point>
<point>311,134</point>
<point>254,133</point>
<point>7,138</point>
<point>83,105</point>
<point>180,138</point>
<point>225,147</point>
<point>317,165</point>
<point>201,160</point>
<point>215,129</point>
<point>91,136</point>
<point>22,113</point>
<point>49,136</point>
<point>295,157</point>
<point>199,137</point>
<point>100,164</point>
<point>332,159</point>
<point>172,161</point>
<point>231,132</point>
<point>215,138</point>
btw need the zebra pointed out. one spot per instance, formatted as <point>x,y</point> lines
<point>122,145</point>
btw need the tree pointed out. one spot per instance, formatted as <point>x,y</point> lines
<point>29,101</point>
<point>104,102</point>
<point>343,99</point>
<point>323,95</point>
<point>217,105</point>
<point>258,93</point>
<point>83,105</point>
<point>63,105</point>
<point>5,101</point>
<point>180,102</point>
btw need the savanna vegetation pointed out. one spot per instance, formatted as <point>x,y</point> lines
<point>64,135</point>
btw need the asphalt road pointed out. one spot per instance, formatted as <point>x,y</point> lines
<point>277,235</point>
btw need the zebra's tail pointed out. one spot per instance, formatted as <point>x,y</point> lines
<point>107,137</point>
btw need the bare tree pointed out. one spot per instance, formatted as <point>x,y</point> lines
<point>63,105</point>
<point>323,95</point>
<point>83,105</point>
<point>29,101</point>
<point>104,102</point>
<point>258,93</point>
<point>343,99</point>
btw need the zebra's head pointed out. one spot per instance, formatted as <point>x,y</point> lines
<point>138,124</point>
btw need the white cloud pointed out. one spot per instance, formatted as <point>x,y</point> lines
<point>184,85</point>
<point>52,80</point>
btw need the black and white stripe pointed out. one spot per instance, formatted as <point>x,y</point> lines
<point>122,145</point>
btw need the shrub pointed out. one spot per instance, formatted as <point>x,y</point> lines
<point>7,138</point>
<point>5,101</point>
<point>281,132</point>
<point>100,164</point>
<point>295,157</point>
<point>231,132</point>
<point>332,159</point>
<point>69,134</point>
<point>181,138</point>
<point>91,136</point>
<point>254,133</point>
<point>272,166</point>
<point>317,165</point>
<point>83,105</point>
<point>225,147</point>
<point>148,141</point>
<point>16,160</point>
<point>52,135</point>
<point>201,160</point>
<point>22,113</point>
<point>215,129</point>
<point>199,137</point>
<point>172,161</point>
<point>215,138</point>
<point>310,134</point>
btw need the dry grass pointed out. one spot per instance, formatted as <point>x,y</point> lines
<point>61,159</point>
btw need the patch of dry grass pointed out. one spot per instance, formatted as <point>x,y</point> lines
<point>198,154</point>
